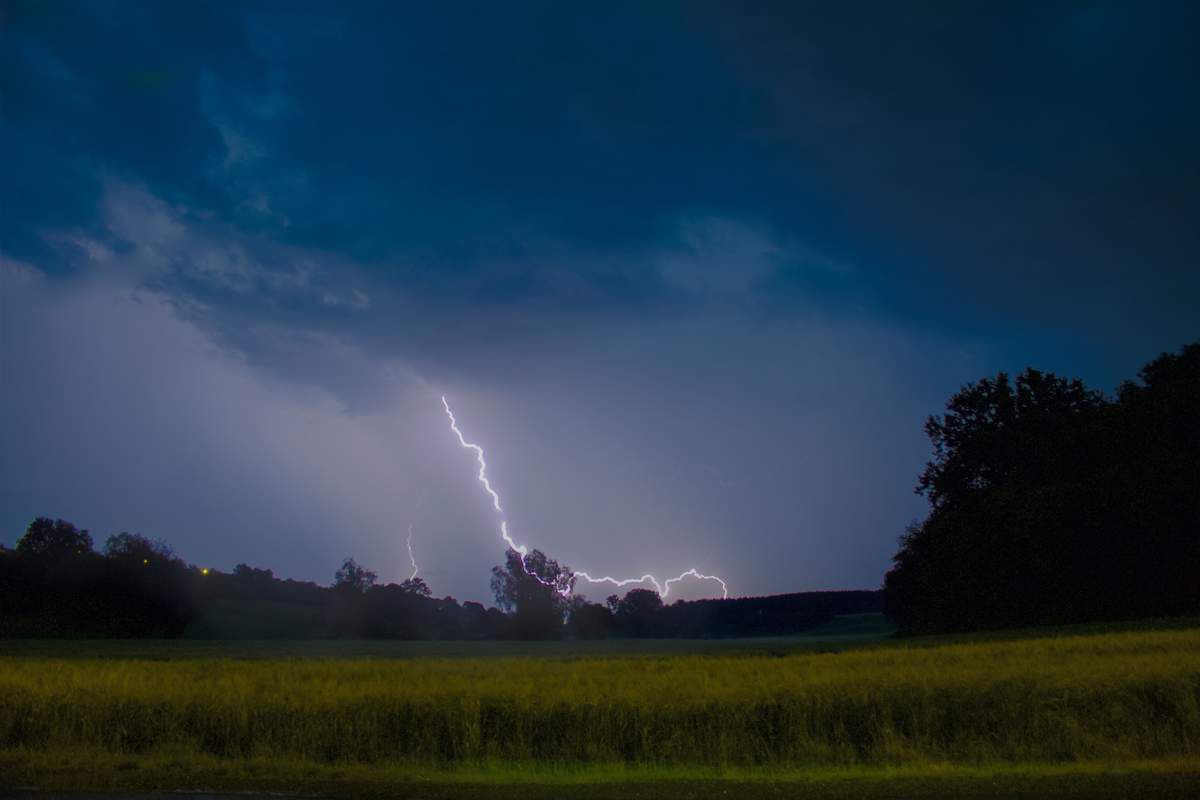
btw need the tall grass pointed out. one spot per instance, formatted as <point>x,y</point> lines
<point>1124,696</point>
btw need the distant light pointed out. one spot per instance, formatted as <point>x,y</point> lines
<point>145,561</point>
<point>204,571</point>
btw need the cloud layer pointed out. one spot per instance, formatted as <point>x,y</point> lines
<point>693,274</point>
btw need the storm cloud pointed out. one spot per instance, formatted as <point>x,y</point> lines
<point>692,275</point>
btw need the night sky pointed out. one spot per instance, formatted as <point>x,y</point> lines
<point>693,274</point>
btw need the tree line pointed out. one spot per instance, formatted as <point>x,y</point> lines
<point>55,584</point>
<point>532,590</point>
<point>1051,503</point>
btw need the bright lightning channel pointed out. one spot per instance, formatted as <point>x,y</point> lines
<point>412,559</point>
<point>663,588</point>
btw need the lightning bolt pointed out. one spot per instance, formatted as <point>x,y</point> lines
<point>411,558</point>
<point>663,588</point>
<point>483,479</point>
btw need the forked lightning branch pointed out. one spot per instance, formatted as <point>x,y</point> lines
<point>662,587</point>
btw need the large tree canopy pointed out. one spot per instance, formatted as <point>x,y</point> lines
<point>54,538</point>
<point>1050,503</point>
<point>535,588</point>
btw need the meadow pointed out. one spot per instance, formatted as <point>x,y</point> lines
<point>1062,707</point>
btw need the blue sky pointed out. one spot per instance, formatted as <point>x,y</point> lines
<point>694,274</point>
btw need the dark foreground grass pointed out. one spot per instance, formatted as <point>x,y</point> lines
<point>39,774</point>
<point>843,632</point>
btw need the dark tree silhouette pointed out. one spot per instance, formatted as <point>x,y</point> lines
<point>140,588</point>
<point>994,432</point>
<point>353,577</point>
<point>135,548</point>
<point>588,620</point>
<point>533,588</point>
<point>55,585</point>
<point>638,613</point>
<point>54,539</point>
<point>1050,503</point>
<point>245,572</point>
<point>415,586</point>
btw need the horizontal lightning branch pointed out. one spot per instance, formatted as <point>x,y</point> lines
<point>663,588</point>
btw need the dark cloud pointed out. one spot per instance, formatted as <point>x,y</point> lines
<point>1031,162</point>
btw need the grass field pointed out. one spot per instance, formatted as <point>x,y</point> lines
<point>838,714</point>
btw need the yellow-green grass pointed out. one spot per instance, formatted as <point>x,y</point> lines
<point>1099,698</point>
